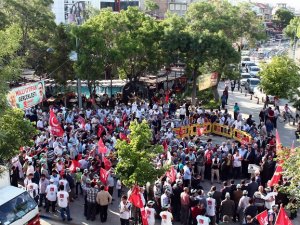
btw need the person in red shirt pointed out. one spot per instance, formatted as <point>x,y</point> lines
<point>197,210</point>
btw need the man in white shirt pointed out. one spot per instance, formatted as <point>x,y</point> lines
<point>202,220</point>
<point>150,212</point>
<point>63,203</point>
<point>210,208</point>
<point>166,216</point>
<point>51,192</point>
<point>125,210</point>
<point>33,190</point>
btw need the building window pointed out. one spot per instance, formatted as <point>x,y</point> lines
<point>172,8</point>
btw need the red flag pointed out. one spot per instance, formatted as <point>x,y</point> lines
<point>167,96</point>
<point>101,147</point>
<point>135,197</point>
<point>180,132</point>
<point>165,145</point>
<point>200,131</point>
<point>103,176</point>
<point>55,127</point>
<point>282,218</point>
<point>81,120</point>
<point>100,130</point>
<point>278,144</point>
<point>144,216</point>
<point>123,136</point>
<point>171,174</point>
<point>74,165</point>
<point>262,218</point>
<point>276,177</point>
<point>107,163</point>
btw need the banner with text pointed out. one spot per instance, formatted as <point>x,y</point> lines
<point>207,80</point>
<point>27,96</point>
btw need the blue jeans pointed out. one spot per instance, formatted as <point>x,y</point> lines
<point>62,213</point>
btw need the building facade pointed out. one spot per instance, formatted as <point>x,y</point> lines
<point>70,11</point>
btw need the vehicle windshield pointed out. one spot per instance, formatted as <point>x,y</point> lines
<point>246,76</point>
<point>250,64</point>
<point>255,69</point>
<point>16,208</point>
<point>254,82</point>
<point>246,59</point>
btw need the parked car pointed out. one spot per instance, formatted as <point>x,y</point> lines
<point>244,77</point>
<point>247,66</point>
<point>254,70</point>
<point>251,84</point>
<point>244,60</point>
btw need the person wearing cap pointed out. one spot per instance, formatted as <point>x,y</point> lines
<point>258,199</point>
<point>165,198</point>
<point>243,203</point>
<point>272,214</point>
<point>150,212</point>
<point>227,207</point>
<point>51,192</point>
<point>166,216</point>
<point>78,175</point>
<point>200,163</point>
<point>125,210</point>
<point>211,208</point>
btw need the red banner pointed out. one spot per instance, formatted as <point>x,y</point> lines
<point>282,218</point>
<point>135,197</point>
<point>101,147</point>
<point>144,216</point>
<point>103,176</point>
<point>171,174</point>
<point>107,163</point>
<point>74,165</point>
<point>55,128</point>
<point>262,218</point>
<point>276,177</point>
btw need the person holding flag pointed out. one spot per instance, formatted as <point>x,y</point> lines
<point>150,212</point>
<point>125,208</point>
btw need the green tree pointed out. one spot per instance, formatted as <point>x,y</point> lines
<point>15,132</point>
<point>228,24</point>
<point>283,18</point>
<point>293,29</point>
<point>36,22</point>
<point>280,77</point>
<point>136,158</point>
<point>139,44</point>
<point>150,7</point>
<point>291,163</point>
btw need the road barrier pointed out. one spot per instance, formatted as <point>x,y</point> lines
<point>212,128</point>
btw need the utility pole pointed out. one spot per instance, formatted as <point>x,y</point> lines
<point>295,44</point>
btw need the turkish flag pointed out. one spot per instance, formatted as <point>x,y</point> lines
<point>73,166</point>
<point>123,136</point>
<point>101,147</point>
<point>171,174</point>
<point>165,145</point>
<point>144,216</point>
<point>262,218</point>
<point>103,176</point>
<point>107,163</point>
<point>55,128</point>
<point>282,218</point>
<point>135,197</point>
<point>276,177</point>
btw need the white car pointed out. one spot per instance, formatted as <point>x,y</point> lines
<point>254,70</point>
<point>244,60</point>
<point>244,78</point>
<point>251,84</point>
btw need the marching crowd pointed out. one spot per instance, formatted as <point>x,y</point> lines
<point>49,172</point>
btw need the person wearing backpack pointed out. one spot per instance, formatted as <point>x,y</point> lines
<point>200,163</point>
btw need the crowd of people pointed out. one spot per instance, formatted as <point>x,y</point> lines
<point>47,173</point>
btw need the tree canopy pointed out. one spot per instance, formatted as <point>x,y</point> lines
<point>280,77</point>
<point>293,29</point>
<point>283,17</point>
<point>136,158</point>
